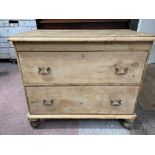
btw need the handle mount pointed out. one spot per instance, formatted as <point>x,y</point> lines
<point>48,103</point>
<point>119,70</point>
<point>44,70</point>
<point>116,102</point>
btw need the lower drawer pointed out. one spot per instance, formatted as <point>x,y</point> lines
<point>82,99</point>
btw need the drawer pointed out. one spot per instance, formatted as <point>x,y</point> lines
<point>7,53</point>
<point>82,99</point>
<point>4,55</point>
<point>61,68</point>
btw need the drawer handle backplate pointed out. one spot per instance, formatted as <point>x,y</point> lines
<point>48,103</point>
<point>44,70</point>
<point>116,102</point>
<point>121,70</point>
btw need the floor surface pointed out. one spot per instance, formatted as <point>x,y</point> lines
<point>13,111</point>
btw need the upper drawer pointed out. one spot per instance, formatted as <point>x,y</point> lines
<point>82,67</point>
<point>82,46</point>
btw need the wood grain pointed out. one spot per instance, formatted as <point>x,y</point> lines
<point>128,117</point>
<point>82,81</point>
<point>82,99</point>
<point>82,67</point>
<point>64,46</point>
<point>83,35</point>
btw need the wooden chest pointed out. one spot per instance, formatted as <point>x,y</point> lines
<point>82,74</point>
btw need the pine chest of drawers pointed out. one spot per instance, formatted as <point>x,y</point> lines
<point>82,74</point>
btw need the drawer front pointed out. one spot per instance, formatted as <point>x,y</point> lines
<point>57,68</point>
<point>82,99</point>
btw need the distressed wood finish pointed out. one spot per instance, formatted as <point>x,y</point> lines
<point>82,46</point>
<point>82,67</point>
<point>81,74</point>
<point>83,36</point>
<point>77,116</point>
<point>82,99</point>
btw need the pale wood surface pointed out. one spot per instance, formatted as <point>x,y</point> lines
<point>21,75</point>
<point>61,47</point>
<point>83,35</point>
<point>142,78</point>
<point>33,117</point>
<point>82,99</point>
<point>82,67</point>
<point>82,78</point>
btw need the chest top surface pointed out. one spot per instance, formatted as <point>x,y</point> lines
<point>82,35</point>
